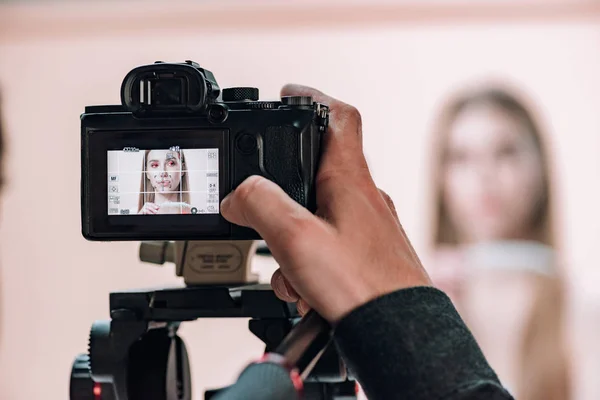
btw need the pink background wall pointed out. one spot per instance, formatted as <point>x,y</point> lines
<point>394,62</point>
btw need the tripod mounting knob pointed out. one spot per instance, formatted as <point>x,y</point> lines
<point>157,252</point>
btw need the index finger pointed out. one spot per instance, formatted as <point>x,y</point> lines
<point>345,122</point>
<point>343,163</point>
<point>293,89</point>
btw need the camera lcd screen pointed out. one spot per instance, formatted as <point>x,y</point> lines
<point>163,181</point>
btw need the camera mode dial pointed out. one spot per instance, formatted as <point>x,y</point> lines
<point>240,94</point>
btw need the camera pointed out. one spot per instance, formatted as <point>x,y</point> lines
<point>155,169</point>
<point>157,166</point>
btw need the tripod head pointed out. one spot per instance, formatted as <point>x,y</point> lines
<point>205,262</point>
<point>137,354</point>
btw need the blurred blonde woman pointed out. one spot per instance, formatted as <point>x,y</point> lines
<point>494,244</point>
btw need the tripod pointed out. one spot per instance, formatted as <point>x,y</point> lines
<point>138,354</point>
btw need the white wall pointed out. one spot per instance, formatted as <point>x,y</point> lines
<point>54,283</point>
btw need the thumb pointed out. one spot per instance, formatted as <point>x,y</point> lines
<point>263,206</point>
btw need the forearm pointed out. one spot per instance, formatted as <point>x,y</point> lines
<point>413,344</point>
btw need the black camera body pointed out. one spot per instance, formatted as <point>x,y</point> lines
<point>157,166</point>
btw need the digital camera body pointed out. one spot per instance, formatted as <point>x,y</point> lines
<point>157,166</point>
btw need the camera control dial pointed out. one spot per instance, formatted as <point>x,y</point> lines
<point>240,94</point>
<point>297,100</point>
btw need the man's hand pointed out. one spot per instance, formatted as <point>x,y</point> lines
<point>354,249</point>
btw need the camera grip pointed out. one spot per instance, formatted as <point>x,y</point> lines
<point>281,146</point>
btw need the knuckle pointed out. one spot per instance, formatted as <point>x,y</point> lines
<point>354,114</point>
<point>302,306</point>
<point>387,198</point>
<point>325,176</point>
<point>277,280</point>
<point>277,284</point>
<point>342,172</point>
<point>351,113</point>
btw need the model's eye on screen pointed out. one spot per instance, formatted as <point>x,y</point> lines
<point>163,181</point>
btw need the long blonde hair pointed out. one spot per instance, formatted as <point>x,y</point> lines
<point>542,224</point>
<point>183,194</point>
<point>544,369</point>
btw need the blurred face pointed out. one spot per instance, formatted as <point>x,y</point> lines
<point>164,170</point>
<point>492,180</point>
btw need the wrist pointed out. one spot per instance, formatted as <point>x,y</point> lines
<point>352,294</point>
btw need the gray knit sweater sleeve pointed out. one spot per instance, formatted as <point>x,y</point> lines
<point>412,344</point>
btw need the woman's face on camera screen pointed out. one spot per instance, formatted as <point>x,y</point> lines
<point>164,170</point>
<point>493,177</point>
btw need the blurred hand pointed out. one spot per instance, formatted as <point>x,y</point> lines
<point>149,208</point>
<point>354,249</point>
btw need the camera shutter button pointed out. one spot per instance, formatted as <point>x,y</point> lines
<point>246,143</point>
